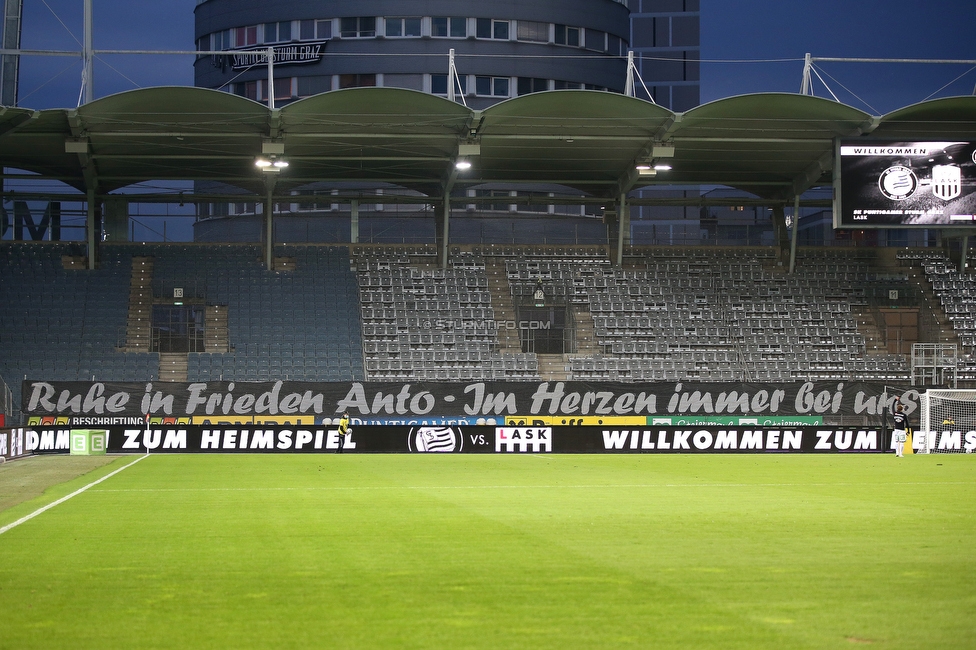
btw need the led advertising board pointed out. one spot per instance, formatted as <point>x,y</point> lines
<point>884,184</point>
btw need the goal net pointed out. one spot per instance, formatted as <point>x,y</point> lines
<point>947,422</point>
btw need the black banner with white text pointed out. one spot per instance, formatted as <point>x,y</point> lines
<point>202,402</point>
<point>485,439</point>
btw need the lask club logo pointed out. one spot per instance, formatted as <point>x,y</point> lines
<point>523,439</point>
<point>946,181</point>
<point>435,439</point>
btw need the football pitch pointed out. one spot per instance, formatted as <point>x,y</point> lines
<point>497,551</point>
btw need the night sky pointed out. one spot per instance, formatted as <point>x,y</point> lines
<point>747,46</point>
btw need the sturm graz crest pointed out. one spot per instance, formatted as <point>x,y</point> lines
<point>898,183</point>
<point>435,439</point>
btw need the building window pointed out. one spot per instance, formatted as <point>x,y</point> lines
<point>533,32</point>
<point>357,80</point>
<point>566,35</point>
<point>247,89</point>
<point>596,40</point>
<point>438,85</point>
<point>220,41</point>
<point>283,88</point>
<point>310,30</point>
<point>527,206</point>
<point>496,29</point>
<point>567,85</point>
<point>244,36</point>
<point>402,27</point>
<point>448,27</point>
<point>277,32</point>
<point>361,27</point>
<point>492,86</point>
<point>489,194</point>
<point>528,85</point>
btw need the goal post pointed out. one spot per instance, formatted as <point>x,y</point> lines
<point>947,422</point>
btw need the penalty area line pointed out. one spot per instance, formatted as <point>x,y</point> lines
<point>44,509</point>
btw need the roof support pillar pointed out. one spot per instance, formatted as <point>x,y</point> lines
<point>962,254</point>
<point>91,232</point>
<point>779,231</point>
<point>623,227</point>
<point>796,232</point>
<point>443,234</point>
<point>269,225</point>
<point>354,221</point>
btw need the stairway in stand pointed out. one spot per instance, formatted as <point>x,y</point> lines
<point>552,367</point>
<point>172,366</point>
<point>504,308</point>
<point>137,328</point>
<point>215,337</point>
<point>586,344</point>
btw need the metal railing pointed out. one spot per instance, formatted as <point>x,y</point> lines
<point>6,402</point>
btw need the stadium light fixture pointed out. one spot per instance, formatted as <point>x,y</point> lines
<point>462,165</point>
<point>270,164</point>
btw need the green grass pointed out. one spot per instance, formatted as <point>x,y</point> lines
<point>499,551</point>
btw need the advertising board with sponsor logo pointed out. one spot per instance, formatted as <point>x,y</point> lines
<point>438,438</point>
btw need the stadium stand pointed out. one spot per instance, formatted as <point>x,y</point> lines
<point>426,323</point>
<point>388,312</point>
<point>714,314</point>
<point>956,293</point>
<point>62,323</point>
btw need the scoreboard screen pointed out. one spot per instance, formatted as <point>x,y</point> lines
<point>926,184</point>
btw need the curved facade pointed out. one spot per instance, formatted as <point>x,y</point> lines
<point>502,49</point>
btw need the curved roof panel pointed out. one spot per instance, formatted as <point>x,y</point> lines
<point>584,139</point>
<point>773,145</point>
<point>372,134</point>
<point>769,144</point>
<point>951,117</point>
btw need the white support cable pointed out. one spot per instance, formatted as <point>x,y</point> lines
<point>58,18</point>
<point>863,60</point>
<point>814,69</point>
<point>855,95</point>
<point>952,82</point>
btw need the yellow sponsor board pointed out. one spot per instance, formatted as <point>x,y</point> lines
<point>254,419</point>
<point>574,421</point>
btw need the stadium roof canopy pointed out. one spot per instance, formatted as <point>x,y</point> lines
<point>774,146</point>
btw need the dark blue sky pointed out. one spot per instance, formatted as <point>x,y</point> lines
<point>739,38</point>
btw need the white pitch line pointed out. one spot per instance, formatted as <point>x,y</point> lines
<point>520,487</point>
<point>65,498</point>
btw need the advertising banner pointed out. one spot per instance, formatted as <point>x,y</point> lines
<point>881,184</point>
<point>12,444</point>
<point>98,404</point>
<point>486,439</point>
